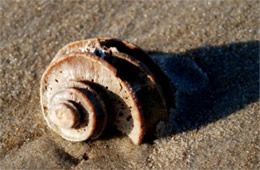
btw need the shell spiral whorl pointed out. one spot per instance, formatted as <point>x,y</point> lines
<point>94,83</point>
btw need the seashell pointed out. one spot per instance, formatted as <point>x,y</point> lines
<point>103,83</point>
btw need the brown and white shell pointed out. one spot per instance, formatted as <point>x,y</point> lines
<point>97,83</point>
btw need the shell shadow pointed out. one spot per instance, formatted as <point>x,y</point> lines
<point>211,83</point>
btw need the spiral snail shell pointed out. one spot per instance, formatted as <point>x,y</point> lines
<point>97,83</point>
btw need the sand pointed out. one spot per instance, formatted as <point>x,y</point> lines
<point>208,49</point>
